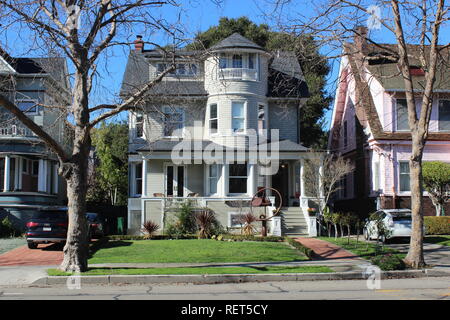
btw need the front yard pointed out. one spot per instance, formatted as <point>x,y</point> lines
<point>193,251</point>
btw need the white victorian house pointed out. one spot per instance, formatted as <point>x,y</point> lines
<point>203,131</point>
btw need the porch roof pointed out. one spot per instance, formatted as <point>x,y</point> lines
<point>169,145</point>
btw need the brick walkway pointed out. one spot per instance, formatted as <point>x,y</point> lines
<point>326,250</point>
<point>45,255</point>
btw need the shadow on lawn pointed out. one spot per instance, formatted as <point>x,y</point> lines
<point>435,239</point>
<point>103,243</point>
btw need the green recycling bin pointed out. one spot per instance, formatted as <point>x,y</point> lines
<point>120,225</point>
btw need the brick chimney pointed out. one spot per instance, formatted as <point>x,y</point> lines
<point>360,39</point>
<point>138,44</point>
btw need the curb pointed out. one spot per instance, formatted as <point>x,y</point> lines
<point>236,278</point>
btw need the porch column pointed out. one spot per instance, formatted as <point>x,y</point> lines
<point>302,180</point>
<point>6,180</point>
<point>251,180</point>
<point>42,176</point>
<point>19,164</point>
<point>224,179</point>
<point>55,178</point>
<point>144,177</point>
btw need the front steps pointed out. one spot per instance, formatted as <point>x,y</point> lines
<point>293,222</point>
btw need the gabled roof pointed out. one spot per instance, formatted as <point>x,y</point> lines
<point>236,41</point>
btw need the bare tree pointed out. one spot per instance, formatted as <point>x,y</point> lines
<point>324,175</point>
<point>82,31</point>
<point>408,22</point>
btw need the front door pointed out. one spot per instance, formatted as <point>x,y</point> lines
<point>280,181</point>
<point>174,180</point>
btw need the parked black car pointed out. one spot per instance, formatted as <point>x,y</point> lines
<point>96,225</point>
<point>48,225</point>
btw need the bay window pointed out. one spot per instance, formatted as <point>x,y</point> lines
<point>404,176</point>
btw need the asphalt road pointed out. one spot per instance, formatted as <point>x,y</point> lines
<point>395,289</point>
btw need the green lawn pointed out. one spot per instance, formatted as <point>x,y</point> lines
<point>362,248</point>
<point>443,240</point>
<point>193,251</point>
<point>196,270</point>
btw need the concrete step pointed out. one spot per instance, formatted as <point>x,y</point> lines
<point>296,235</point>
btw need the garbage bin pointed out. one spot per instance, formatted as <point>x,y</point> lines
<point>120,225</point>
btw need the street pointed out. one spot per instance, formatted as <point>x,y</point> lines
<point>395,289</point>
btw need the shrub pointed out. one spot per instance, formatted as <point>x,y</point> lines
<point>150,228</point>
<point>437,225</point>
<point>247,220</point>
<point>205,221</point>
<point>7,229</point>
<point>241,237</point>
<point>388,262</point>
<point>186,218</point>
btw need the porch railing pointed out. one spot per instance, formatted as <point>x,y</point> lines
<point>16,131</point>
<point>238,74</point>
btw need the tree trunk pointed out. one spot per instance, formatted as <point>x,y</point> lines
<point>415,257</point>
<point>335,231</point>
<point>439,210</point>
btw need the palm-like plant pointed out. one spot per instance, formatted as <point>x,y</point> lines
<point>247,220</point>
<point>149,227</point>
<point>205,220</point>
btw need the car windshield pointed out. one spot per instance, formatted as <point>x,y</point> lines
<point>92,217</point>
<point>50,215</point>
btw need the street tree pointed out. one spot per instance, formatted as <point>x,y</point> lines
<point>436,181</point>
<point>419,22</point>
<point>84,32</point>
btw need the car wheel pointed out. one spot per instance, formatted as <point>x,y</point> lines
<point>32,245</point>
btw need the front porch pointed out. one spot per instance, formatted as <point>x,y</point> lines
<point>158,185</point>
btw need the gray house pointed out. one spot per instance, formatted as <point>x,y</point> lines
<point>28,169</point>
<point>194,136</point>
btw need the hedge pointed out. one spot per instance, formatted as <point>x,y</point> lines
<point>155,237</point>
<point>437,225</point>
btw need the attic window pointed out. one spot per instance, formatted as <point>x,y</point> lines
<point>376,58</point>
<point>416,71</point>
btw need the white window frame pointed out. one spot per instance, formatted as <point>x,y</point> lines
<point>211,119</point>
<point>400,176</point>
<point>209,178</point>
<point>396,116</point>
<point>171,111</point>
<point>244,118</point>
<point>136,115</point>
<point>36,108</point>
<point>230,215</point>
<point>187,66</point>
<point>238,177</point>
<point>135,169</point>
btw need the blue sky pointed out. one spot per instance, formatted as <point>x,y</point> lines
<point>196,16</point>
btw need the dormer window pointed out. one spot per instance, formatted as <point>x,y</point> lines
<point>182,69</point>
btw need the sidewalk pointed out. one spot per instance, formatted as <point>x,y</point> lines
<point>328,251</point>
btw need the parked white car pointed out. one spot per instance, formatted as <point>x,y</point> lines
<point>397,222</point>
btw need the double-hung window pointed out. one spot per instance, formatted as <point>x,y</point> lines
<point>251,60</point>
<point>139,124</point>
<point>213,118</point>
<point>223,61</point>
<point>402,115</point>
<point>173,121</point>
<point>238,116</point>
<point>138,179</point>
<point>237,178</point>
<point>444,115</point>
<point>404,176</point>
<point>213,178</point>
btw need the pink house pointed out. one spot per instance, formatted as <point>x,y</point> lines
<point>370,126</point>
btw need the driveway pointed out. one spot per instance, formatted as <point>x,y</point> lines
<point>45,255</point>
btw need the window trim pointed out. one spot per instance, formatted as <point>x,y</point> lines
<point>400,174</point>
<point>212,119</point>
<point>238,177</point>
<point>209,178</point>
<point>182,121</point>
<point>136,115</point>
<point>244,130</point>
<point>396,116</point>
<point>137,193</point>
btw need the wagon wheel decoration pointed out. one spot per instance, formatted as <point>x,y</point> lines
<point>259,200</point>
